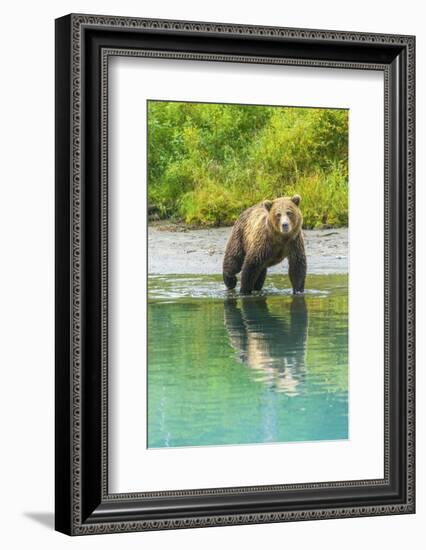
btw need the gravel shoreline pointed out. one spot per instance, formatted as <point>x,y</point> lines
<point>177,250</point>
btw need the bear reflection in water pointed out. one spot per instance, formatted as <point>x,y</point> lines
<point>272,344</point>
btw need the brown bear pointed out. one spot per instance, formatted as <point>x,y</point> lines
<point>263,236</point>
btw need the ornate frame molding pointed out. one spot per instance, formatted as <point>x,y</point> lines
<point>75,27</point>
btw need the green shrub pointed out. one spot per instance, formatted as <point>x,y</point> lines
<point>210,205</point>
<point>208,162</point>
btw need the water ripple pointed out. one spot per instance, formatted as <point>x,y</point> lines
<point>211,287</point>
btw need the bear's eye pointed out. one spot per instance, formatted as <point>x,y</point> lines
<point>289,212</point>
<point>278,216</point>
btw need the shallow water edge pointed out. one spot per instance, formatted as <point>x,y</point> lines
<point>173,287</point>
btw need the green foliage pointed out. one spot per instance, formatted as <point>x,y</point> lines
<point>208,162</point>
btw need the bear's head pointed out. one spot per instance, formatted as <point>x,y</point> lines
<point>284,215</point>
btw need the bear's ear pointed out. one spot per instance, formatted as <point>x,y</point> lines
<point>267,204</point>
<point>296,199</point>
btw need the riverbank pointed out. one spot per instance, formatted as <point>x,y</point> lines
<point>175,249</point>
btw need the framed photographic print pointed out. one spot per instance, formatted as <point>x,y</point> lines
<point>234,274</point>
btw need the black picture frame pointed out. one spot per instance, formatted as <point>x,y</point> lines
<point>83,45</point>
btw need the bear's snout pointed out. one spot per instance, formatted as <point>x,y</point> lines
<point>285,224</point>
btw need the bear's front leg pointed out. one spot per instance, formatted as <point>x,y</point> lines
<point>258,285</point>
<point>252,269</point>
<point>297,265</point>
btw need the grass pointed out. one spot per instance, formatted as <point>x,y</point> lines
<point>209,162</point>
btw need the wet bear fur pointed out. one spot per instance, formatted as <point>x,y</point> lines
<point>263,236</point>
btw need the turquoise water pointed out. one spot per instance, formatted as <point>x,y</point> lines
<point>225,369</point>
